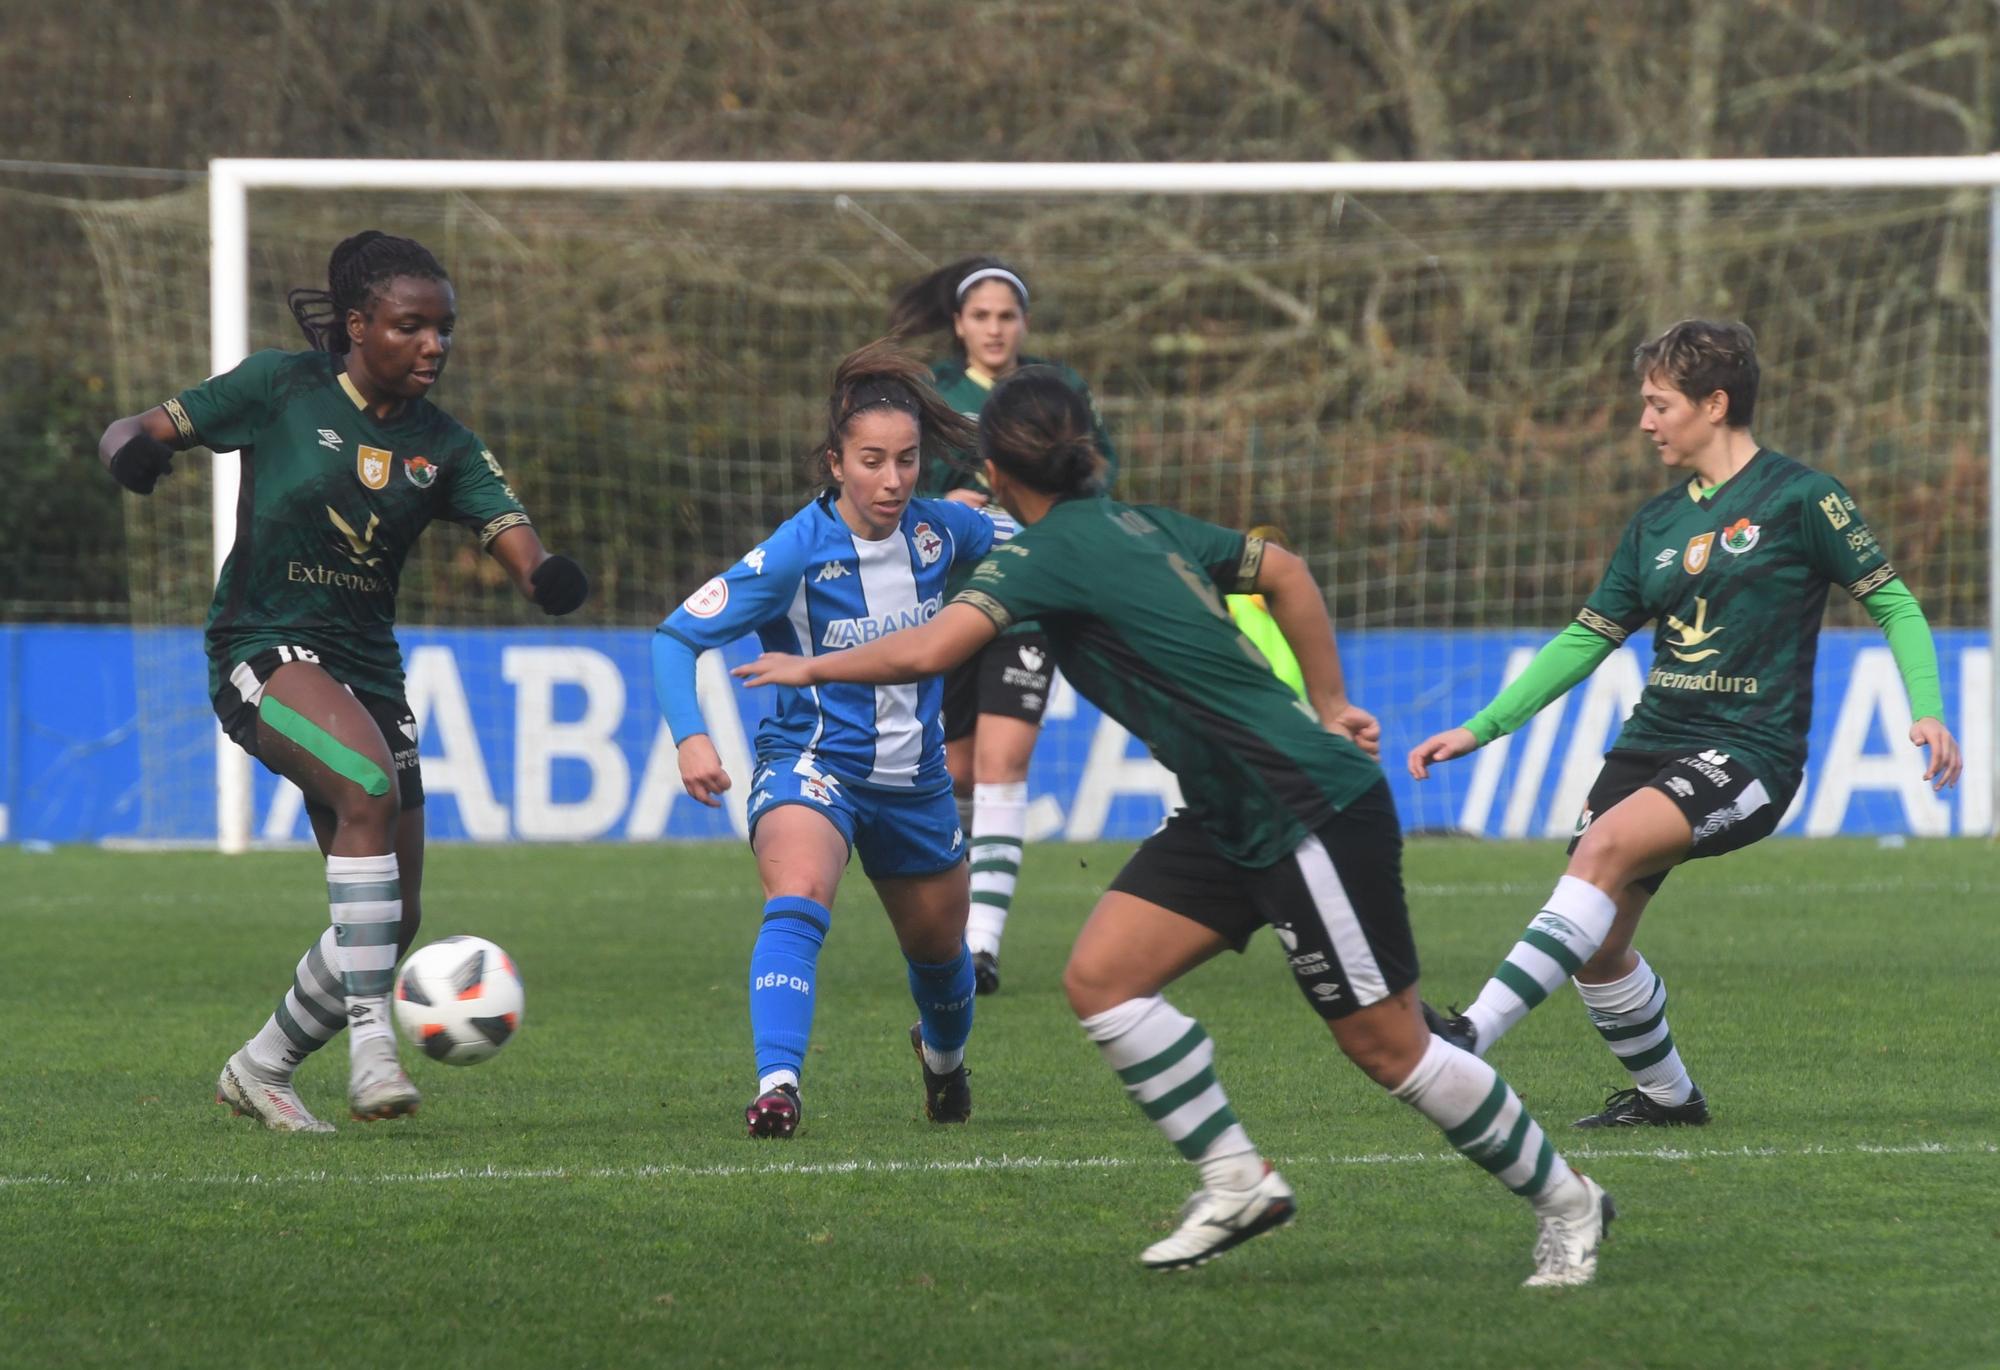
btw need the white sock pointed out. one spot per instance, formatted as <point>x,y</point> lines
<point>767,1083</point>
<point>1490,1126</point>
<point>311,1013</point>
<point>1631,1015</point>
<point>942,1062</point>
<point>1167,1064</point>
<point>366,904</point>
<point>999,826</point>
<point>1567,932</point>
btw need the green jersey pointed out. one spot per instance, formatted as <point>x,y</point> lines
<point>1131,599</point>
<point>1737,583</point>
<point>332,500</point>
<point>965,389</point>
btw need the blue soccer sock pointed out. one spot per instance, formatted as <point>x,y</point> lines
<point>944,993</point>
<point>783,973</point>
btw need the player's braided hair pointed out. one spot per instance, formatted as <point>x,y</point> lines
<point>1040,432</point>
<point>929,303</point>
<point>359,267</point>
<point>883,376</point>
<point>1701,356</point>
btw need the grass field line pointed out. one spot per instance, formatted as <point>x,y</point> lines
<point>968,1165</point>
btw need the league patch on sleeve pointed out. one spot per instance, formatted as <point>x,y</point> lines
<point>709,600</point>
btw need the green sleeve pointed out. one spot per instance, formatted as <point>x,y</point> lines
<point>1902,621</point>
<point>1569,656</point>
<point>1227,556</point>
<point>226,412</point>
<point>1025,578</point>
<point>477,495</point>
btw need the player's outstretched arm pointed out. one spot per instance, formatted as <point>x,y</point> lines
<point>1444,746</point>
<point>138,449</point>
<point>1299,610</point>
<point>549,579</point>
<point>955,635</point>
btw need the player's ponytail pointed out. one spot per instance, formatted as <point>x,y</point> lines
<point>1041,433</point>
<point>883,376</point>
<point>929,303</point>
<point>357,269</point>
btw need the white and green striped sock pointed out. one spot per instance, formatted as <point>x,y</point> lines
<point>1567,932</point>
<point>1490,1126</point>
<point>999,826</point>
<point>366,902</point>
<point>313,1010</point>
<point>1167,1064</point>
<point>1631,1016</point>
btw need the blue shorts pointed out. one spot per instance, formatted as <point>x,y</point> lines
<point>898,832</point>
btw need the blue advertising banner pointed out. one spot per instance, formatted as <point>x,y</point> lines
<point>543,735</point>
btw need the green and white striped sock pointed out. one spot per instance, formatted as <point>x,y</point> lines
<point>1167,1064</point>
<point>1631,1016</point>
<point>1566,933</point>
<point>365,899</point>
<point>311,1013</point>
<point>999,826</point>
<point>1486,1121</point>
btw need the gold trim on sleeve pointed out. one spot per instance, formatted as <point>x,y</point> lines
<point>987,605</point>
<point>1873,581</point>
<point>512,519</point>
<point>1602,626</point>
<point>182,423</point>
<point>1252,564</point>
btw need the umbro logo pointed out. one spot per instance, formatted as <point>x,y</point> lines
<point>329,439</point>
<point>1666,557</point>
<point>833,570</point>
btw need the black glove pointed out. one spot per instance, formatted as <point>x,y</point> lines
<point>140,463</point>
<point>560,585</point>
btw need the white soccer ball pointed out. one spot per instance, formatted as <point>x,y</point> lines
<point>459,1000</point>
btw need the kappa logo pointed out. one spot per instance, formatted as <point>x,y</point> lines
<point>1032,658</point>
<point>929,545</point>
<point>1695,559</point>
<point>1740,536</point>
<point>329,439</point>
<point>754,559</point>
<point>957,838</point>
<point>833,570</point>
<point>371,464</point>
<point>1664,559</point>
<point>1836,510</point>
<point>759,799</point>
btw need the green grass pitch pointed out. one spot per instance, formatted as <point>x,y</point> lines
<point>588,1198</point>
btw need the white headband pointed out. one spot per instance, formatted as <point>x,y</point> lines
<point>995,273</point>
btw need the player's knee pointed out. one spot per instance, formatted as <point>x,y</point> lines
<point>1606,857</point>
<point>357,809</point>
<point>1092,986</point>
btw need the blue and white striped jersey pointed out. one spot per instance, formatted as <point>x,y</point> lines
<point>814,587</point>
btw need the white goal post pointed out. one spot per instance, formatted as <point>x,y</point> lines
<point>231,180</point>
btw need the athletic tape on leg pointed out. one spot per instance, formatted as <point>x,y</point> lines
<point>338,756</point>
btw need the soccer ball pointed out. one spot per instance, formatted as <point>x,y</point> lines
<point>459,1000</point>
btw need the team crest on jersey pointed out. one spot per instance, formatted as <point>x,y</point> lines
<point>1695,559</point>
<point>929,545</point>
<point>372,465</point>
<point>707,602</point>
<point>421,471</point>
<point>1740,536</point>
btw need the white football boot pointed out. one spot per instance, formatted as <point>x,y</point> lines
<point>377,1088</point>
<point>1213,1220</point>
<point>1566,1248</point>
<point>274,1103</point>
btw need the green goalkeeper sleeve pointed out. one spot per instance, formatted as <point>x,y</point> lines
<point>1902,621</point>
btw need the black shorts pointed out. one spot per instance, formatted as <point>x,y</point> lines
<point>236,705</point>
<point>1010,676</point>
<point>1724,801</point>
<point>1336,902</point>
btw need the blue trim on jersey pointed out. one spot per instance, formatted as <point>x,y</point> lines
<point>813,587</point>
